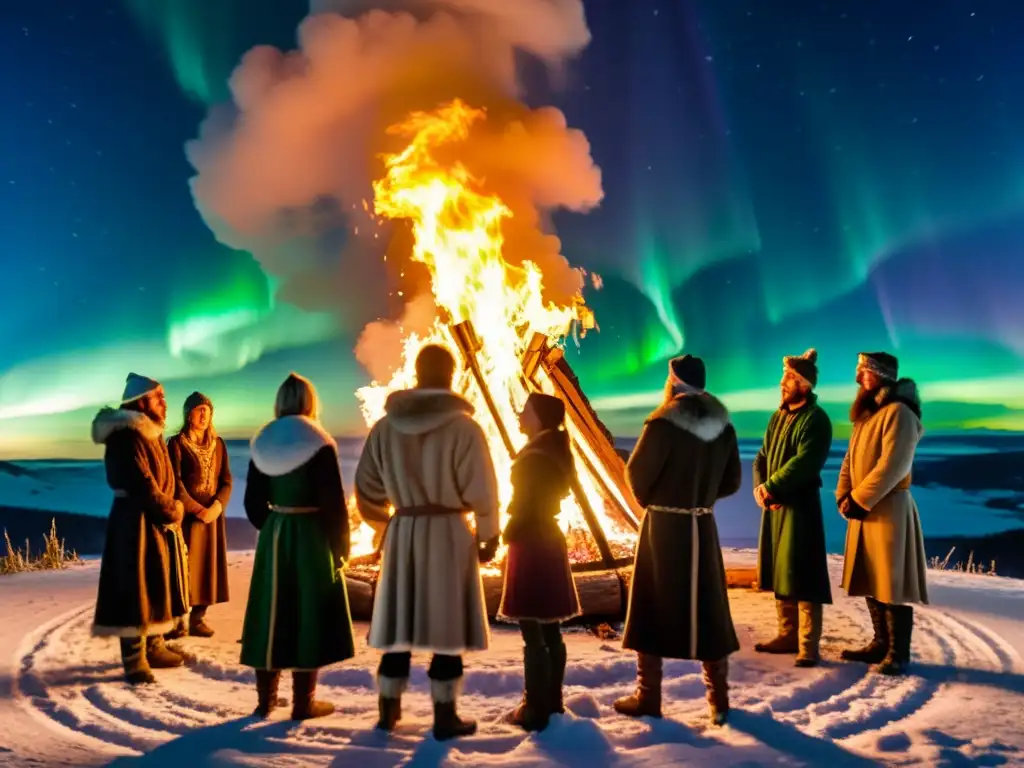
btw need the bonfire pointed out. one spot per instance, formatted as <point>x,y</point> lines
<point>492,314</point>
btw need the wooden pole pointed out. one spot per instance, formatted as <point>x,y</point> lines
<point>469,345</point>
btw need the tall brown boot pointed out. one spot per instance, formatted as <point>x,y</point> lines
<point>810,635</point>
<point>786,639</point>
<point>535,710</point>
<point>304,704</point>
<point>133,658</point>
<point>447,723</point>
<point>716,681</point>
<point>647,699</point>
<point>389,701</point>
<point>267,684</point>
<point>876,650</point>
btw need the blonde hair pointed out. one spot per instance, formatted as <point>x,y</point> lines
<point>297,397</point>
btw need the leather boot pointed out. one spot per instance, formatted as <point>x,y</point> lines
<point>786,639</point>
<point>160,656</point>
<point>558,656</point>
<point>876,650</point>
<point>716,681</point>
<point>811,615</point>
<point>647,699</point>
<point>533,713</point>
<point>304,704</point>
<point>900,621</point>
<point>179,630</point>
<point>267,684</point>
<point>133,658</point>
<point>447,723</point>
<point>389,701</point>
<point>197,626</point>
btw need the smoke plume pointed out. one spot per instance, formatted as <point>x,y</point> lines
<point>284,171</point>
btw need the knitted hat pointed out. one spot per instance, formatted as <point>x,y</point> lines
<point>136,387</point>
<point>194,400</point>
<point>882,364</point>
<point>805,366</point>
<point>687,371</point>
<point>550,410</point>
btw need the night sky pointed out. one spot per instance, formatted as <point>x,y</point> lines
<point>843,175</point>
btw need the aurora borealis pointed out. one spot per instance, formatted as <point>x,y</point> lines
<point>846,176</point>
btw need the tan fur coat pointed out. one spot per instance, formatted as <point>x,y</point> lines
<point>885,556</point>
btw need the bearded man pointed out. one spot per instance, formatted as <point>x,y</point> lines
<point>791,556</point>
<point>885,558</point>
<point>143,587</point>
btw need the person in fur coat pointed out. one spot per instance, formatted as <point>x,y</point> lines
<point>885,557</point>
<point>204,482</point>
<point>429,460</point>
<point>141,593</point>
<point>792,559</point>
<point>686,459</point>
<point>297,617</point>
<point>539,590</point>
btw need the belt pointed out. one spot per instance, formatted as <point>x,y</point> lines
<point>424,510</point>
<point>283,510</point>
<point>694,511</point>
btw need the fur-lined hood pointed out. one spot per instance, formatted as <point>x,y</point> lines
<point>704,416</point>
<point>418,411</point>
<point>285,444</point>
<point>111,420</point>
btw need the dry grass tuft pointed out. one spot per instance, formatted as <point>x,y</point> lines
<point>53,557</point>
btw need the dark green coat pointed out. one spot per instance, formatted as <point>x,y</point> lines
<point>791,552</point>
<point>297,616</point>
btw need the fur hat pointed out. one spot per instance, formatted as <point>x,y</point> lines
<point>805,366</point>
<point>687,371</point>
<point>882,364</point>
<point>194,400</point>
<point>136,387</point>
<point>550,410</point>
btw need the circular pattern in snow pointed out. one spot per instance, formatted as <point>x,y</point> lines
<point>837,713</point>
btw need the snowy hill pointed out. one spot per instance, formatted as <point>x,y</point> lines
<point>62,701</point>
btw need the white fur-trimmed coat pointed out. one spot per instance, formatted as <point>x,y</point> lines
<point>428,450</point>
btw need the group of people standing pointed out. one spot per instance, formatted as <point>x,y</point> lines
<point>165,558</point>
<point>426,469</point>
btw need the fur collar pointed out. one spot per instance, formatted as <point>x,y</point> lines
<point>111,420</point>
<point>869,403</point>
<point>418,411</point>
<point>285,444</point>
<point>703,416</point>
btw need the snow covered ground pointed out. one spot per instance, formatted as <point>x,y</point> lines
<point>62,701</point>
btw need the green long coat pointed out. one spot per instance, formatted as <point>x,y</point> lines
<point>297,616</point>
<point>791,552</point>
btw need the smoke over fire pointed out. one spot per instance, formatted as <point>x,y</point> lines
<point>285,171</point>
